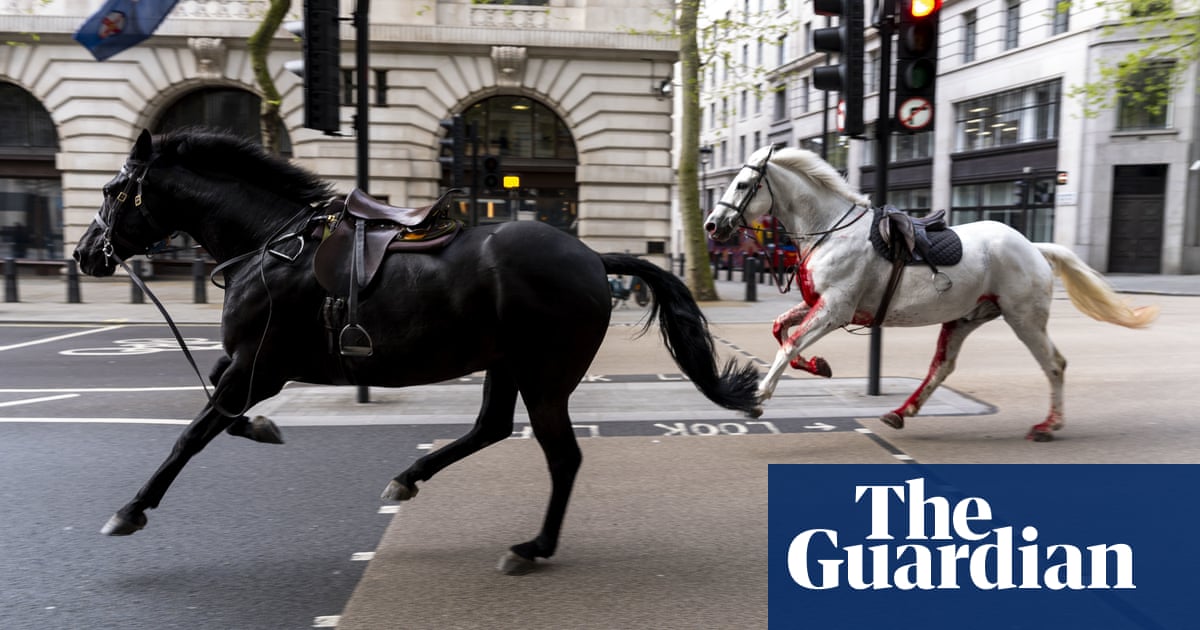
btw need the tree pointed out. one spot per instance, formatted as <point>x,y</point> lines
<point>695,242</point>
<point>259,47</point>
<point>1144,78</point>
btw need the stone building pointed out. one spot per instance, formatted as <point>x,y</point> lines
<point>568,93</point>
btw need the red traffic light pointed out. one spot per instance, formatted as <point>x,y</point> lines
<point>923,8</point>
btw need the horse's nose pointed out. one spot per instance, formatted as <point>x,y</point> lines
<point>76,256</point>
<point>710,227</point>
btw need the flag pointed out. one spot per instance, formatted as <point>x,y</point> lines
<point>121,24</point>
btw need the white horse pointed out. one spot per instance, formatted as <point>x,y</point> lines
<point>843,280</point>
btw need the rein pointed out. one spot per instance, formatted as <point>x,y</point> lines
<point>132,168</point>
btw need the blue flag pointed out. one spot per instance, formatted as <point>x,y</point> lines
<point>122,24</point>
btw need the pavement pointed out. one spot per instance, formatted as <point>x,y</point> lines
<point>667,528</point>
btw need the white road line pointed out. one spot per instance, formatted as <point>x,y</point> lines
<point>58,337</point>
<point>389,509</point>
<point>327,621</point>
<point>98,390</point>
<point>362,556</point>
<point>27,401</point>
<point>96,420</point>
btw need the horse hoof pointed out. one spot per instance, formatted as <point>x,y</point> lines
<point>513,564</point>
<point>821,367</point>
<point>755,412</point>
<point>120,526</point>
<point>1039,435</point>
<point>892,419</point>
<point>396,491</point>
<point>262,429</point>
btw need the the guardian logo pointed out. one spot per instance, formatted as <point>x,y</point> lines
<point>930,543</point>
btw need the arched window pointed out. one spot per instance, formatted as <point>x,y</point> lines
<point>31,217</point>
<point>528,143</point>
<point>231,109</point>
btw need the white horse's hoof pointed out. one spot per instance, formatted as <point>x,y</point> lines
<point>512,564</point>
<point>892,419</point>
<point>396,491</point>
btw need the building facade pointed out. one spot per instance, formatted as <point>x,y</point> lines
<point>1009,143</point>
<point>567,93</point>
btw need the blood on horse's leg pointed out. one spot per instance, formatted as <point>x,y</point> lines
<point>797,315</point>
<point>949,344</point>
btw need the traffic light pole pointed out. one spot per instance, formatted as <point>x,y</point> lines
<point>362,112</point>
<point>883,139</point>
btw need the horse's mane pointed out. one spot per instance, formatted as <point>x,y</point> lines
<point>819,171</point>
<point>224,154</point>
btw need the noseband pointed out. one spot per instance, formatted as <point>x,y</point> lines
<point>110,212</point>
<point>760,180</point>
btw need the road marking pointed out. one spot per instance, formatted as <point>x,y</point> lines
<point>389,509</point>
<point>99,390</point>
<point>58,338</point>
<point>96,420</point>
<point>14,403</point>
<point>327,621</point>
<point>362,556</point>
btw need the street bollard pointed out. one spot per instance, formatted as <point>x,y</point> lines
<point>750,273</point>
<point>73,294</point>
<point>199,286</point>
<point>10,280</point>
<point>729,267</point>
<point>682,264</point>
<point>135,293</point>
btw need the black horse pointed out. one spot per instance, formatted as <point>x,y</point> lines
<point>522,301</point>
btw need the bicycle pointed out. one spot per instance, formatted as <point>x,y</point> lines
<point>621,292</point>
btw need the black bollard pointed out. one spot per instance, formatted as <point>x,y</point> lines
<point>10,280</point>
<point>199,286</point>
<point>364,394</point>
<point>73,294</point>
<point>750,272</point>
<point>729,266</point>
<point>682,265</point>
<point>135,292</point>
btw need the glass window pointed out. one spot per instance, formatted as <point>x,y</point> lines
<point>1143,102</point>
<point>1028,114</point>
<point>30,189</point>
<point>781,109</point>
<point>231,109</point>
<point>834,148</point>
<point>1027,205</point>
<point>970,33</point>
<point>24,123</point>
<point>1012,24</point>
<point>1061,10</point>
<point>520,127</point>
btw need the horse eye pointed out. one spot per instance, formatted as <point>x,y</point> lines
<point>742,186</point>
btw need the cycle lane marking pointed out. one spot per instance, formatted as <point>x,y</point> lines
<point>80,333</point>
<point>29,401</point>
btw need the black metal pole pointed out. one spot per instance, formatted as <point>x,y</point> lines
<point>883,136</point>
<point>199,286</point>
<point>136,296</point>
<point>10,280</point>
<point>73,294</point>
<point>362,114</point>
<point>749,276</point>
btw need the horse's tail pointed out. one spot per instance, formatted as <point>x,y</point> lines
<point>1090,293</point>
<point>685,333</point>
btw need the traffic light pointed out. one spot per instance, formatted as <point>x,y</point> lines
<point>916,64</point>
<point>456,142</point>
<point>492,178</point>
<point>846,77</point>
<point>321,66</point>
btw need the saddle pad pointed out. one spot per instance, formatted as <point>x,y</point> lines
<point>945,248</point>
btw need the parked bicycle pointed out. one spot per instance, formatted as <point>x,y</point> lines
<point>621,292</point>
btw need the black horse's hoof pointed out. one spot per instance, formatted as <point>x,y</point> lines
<point>396,491</point>
<point>119,525</point>
<point>262,429</point>
<point>821,367</point>
<point>513,564</point>
<point>754,412</point>
<point>892,419</point>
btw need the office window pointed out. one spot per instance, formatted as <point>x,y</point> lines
<point>970,35</point>
<point>782,50</point>
<point>781,109</point>
<point>1143,102</point>
<point>805,96</point>
<point>1061,10</point>
<point>1012,24</point>
<point>744,109</point>
<point>1028,114</point>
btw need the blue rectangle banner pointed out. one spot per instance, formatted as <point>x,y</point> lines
<point>983,546</point>
<point>122,24</point>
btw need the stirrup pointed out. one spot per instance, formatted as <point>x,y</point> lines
<point>359,344</point>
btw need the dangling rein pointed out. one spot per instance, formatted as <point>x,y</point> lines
<point>778,275</point>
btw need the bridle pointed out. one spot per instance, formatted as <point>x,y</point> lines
<point>760,180</point>
<point>110,213</point>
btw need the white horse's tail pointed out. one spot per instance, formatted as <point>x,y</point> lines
<point>1090,293</point>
